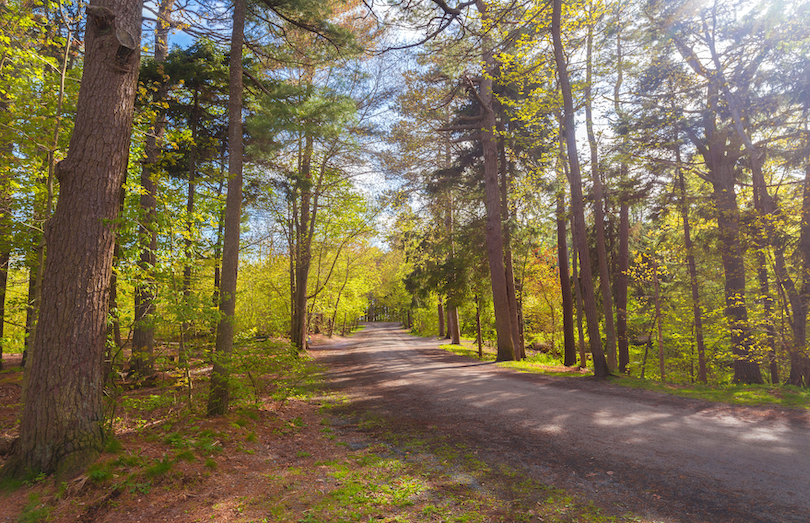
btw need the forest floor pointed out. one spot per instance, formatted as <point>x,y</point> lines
<point>332,447</point>
<point>309,457</point>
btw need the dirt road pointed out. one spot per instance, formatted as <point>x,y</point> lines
<point>668,458</point>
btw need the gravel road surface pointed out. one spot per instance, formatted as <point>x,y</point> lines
<point>667,458</point>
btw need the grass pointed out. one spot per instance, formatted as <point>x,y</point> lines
<point>781,395</point>
<point>541,363</point>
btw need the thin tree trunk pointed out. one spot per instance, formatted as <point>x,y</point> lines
<point>188,252</point>
<point>62,430</point>
<point>569,341</point>
<point>598,213</point>
<point>440,312</point>
<point>623,277</point>
<point>219,395</point>
<point>5,255</point>
<point>479,340</point>
<point>692,266</point>
<point>303,239</point>
<point>143,334</point>
<point>657,290</point>
<point>601,368</point>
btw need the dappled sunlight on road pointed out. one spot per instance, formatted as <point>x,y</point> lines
<point>645,434</point>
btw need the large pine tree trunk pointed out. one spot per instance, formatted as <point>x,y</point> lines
<point>61,431</point>
<point>492,197</point>
<point>219,395</point>
<point>511,289</point>
<point>746,370</point>
<point>600,364</point>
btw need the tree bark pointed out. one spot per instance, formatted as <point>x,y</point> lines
<point>601,368</point>
<point>599,214</point>
<point>62,430</point>
<point>511,289</point>
<point>219,395</point>
<point>494,230</point>
<point>303,247</point>
<point>569,341</point>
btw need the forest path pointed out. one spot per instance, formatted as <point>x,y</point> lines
<point>669,458</point>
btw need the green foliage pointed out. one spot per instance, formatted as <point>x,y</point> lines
<point>35,510</point>
<point>270,368</point>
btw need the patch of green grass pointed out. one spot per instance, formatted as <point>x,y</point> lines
<point>99,472</point>
<point>784,395</point>
<point>35,510</point>
<point>160,467</point>
<point>113,446</point>
<point>185,455</point>
<point>211,463</point>
<point>468,351</point>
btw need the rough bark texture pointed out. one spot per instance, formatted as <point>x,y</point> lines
<point>494,229</point>
<point>219,395</point>
<point>143,333</point>
<point>61,426</point>
<point>577,201</point>
<point>746,370</point>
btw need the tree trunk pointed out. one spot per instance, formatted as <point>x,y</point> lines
<point>569,341</point>
<point>143,334</point>
<point>62,430</point>
<point>188,252</point>
<point>454,327</point>
<point>657,287</point>
<point>4,259</point>
<point>692,266</point>
<point>746,370</point>
<point>303,240</point>
<point>601,368</point>
<point>440,312</point>
<point>478,338</point>
<point>599,214</point>
<point>219,396</point>
<point>511,290</point>
<point>622,278</point>
<point>492,197</point>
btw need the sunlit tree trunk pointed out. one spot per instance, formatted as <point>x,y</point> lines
<point>494,229</point>
<point>62,430</point>
<point>219,395</point>
<point>601,368</point>
<point>598,211</point>
<point>569,341</point>
<point>143,333</point>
